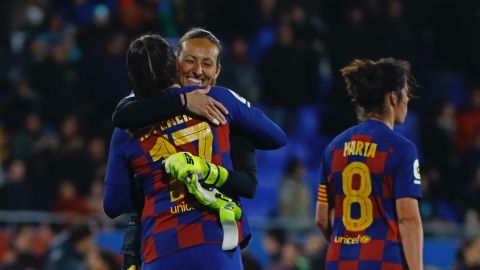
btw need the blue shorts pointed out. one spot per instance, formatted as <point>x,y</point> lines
<point>202,257</point>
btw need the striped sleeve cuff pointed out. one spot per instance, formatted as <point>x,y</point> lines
<point>322,194</point>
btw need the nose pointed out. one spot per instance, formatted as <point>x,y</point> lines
<point>197,69</point>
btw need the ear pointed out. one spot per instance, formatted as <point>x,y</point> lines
<point>393,98</point>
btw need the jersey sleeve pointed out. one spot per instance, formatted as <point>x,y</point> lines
<point>407,181</point>
<point>324,169</point>
<point>254,124</point>
<point>242,182</point>
<point>322,195</point>
<point>117,195</point>
<point>131,113</point>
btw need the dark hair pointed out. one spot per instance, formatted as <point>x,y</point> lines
<point>200,33</point>
<point>152,65</point>
<point>368,82</point>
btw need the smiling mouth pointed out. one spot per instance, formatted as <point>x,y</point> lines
<point>194,81</point>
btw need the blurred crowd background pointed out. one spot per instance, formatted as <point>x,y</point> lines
<point>62,71</point>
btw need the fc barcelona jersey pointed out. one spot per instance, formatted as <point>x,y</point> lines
<point>172,219</point>
<point>364,170</point>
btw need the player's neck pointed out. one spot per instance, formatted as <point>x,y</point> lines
<point>386,119</point>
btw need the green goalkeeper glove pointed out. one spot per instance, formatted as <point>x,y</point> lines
<point>228,211</point>
<point>189,169</point>
<point>182,164</point>
<point>213,198</point>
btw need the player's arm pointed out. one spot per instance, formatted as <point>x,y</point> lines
<point>117,195</point>
<point>407,189</point>
<point>322,214</point>
<point>254,124</point>
<point>323,217</point>
<point>411,231</point>
<point>131,113</point>
<point>241,182</point>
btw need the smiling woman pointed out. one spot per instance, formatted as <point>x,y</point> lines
<point>198,54</point>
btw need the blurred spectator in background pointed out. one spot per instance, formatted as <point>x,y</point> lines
<point>106,80</point>
<point>472,191</point>
<point>22,255</point>
<point>17,104</point>
<point>239,73</point>
<point>93,37</point>
<point>71,253</point>
<point>427,207</point>
<point>94,202</point>
<point>101,260</point>
<point>68,201</point>
<point>69,155</point>
<point>295,202</point>
<point>288,76</point>
<point>290,259</point>
<point>444,159</point>
<point>93,162</point>
<point>396,36</point>
<point>468,255</point>
<point>16,193</point>
<point>32,139</point>
<point>272,243</point>
<point>57,80</point>
<point>315,250</point>
<point>468,122</point>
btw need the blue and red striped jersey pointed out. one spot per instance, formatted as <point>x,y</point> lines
<point>172,219</point>
<point>363,171</point>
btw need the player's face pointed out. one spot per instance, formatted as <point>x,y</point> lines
<point>401,108</point>
<point>197,63</point>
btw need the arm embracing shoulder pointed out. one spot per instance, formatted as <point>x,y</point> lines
<point>242,181</point>
<point>132,113</point>
<point>252,122</point>
<point>117,195</point>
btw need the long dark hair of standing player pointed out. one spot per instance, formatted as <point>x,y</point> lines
<point>152,65</point>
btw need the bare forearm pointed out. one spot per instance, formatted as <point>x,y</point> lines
<point>411,232</point>
<point>323,220</point>
<point>325,228</point>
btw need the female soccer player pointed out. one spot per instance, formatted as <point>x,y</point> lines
<point>370,182</point>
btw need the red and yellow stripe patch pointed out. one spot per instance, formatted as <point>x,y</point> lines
<point>322,194</point>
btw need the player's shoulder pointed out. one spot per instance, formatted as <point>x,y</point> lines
<point>227,95</point>
<point>396,139</point>
<point>401,142</point>
<point>120,136</point>
<point>341,138</point>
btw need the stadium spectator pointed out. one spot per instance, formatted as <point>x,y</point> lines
<point>101,260</point>
<point>295,203</point>
<point>239,73</point>
<point>315,250</point>
<point>467,256</point>
<point>16,193</point>
<point>272,242</point>
<point>68,201</point>
<point>468,122</point>
<point>22,255</point>
<point>71,252</point>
